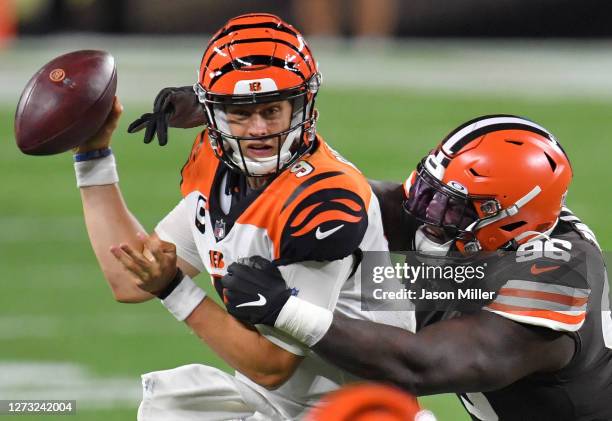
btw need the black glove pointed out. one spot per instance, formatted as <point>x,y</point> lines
<point>254,291</point>
<point>174,107</point>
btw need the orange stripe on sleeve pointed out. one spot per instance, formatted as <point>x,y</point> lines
<point>349,204</point>
<point>541,314</point>
<point>303,214</point>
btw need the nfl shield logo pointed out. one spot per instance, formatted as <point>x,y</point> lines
<point>219,229</point>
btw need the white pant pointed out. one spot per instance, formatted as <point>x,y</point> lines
<point>198,392</point>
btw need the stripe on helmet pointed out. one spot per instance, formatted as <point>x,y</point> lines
<point>218,50</point>
<point>261,25</point>
<point>249,61</point>
<point>476,128</point>
<point>434,166</point>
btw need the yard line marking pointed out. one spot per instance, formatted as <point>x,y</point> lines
<point>54,380</point>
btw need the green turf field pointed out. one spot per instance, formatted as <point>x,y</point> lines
<point>56,307</point>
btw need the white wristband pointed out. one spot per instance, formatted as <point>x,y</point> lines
<point>306,322</point>
<point>96,172</point>
<point>184,299</point>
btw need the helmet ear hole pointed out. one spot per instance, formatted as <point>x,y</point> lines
<point>512,226</point>
<point>514,142</point>
<point>551,161</point>
<point>543,227</point>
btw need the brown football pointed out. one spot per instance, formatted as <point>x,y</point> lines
<point>66,102</point>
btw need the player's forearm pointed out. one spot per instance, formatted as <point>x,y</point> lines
<point>243,348</point>
<point>386,358</point>
<point>109,223</point>
<point>467,354</point>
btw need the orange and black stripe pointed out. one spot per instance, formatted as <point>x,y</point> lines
<point>252,42</point>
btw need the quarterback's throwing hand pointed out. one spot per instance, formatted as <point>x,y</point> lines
<point>102,138</point>
<point>173,107</point>
<point>254,291</point>
<point>155,266</point>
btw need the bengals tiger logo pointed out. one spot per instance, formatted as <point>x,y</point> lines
<point>255,86</point>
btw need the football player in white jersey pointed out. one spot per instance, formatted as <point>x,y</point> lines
<point>258,181</point>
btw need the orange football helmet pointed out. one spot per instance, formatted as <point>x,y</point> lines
<point>493,182</point>
<point>369,402</point>
<point>254,59</point>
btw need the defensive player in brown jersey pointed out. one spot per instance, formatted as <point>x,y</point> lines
<point>258,181</point>
<point>541,348</point>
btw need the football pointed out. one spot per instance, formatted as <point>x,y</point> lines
<point>66,102</point>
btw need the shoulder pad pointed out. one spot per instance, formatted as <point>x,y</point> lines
<point>567,217</point>
<point>326,225</point>
<point>543,284</point>
<point>199,169</point>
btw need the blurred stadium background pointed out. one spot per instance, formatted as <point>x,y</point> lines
<point>397,77</point>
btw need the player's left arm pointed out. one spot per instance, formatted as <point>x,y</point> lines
<point>271,358</point>
<point>265,363</point>
<point>479,352</point>
<point>242,346</point>
<point>173,107</point>
<point>472,353</point>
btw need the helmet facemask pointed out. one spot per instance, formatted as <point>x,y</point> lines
<point>291,143</point>
<point>440,207</point>
<point>453,211</point>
